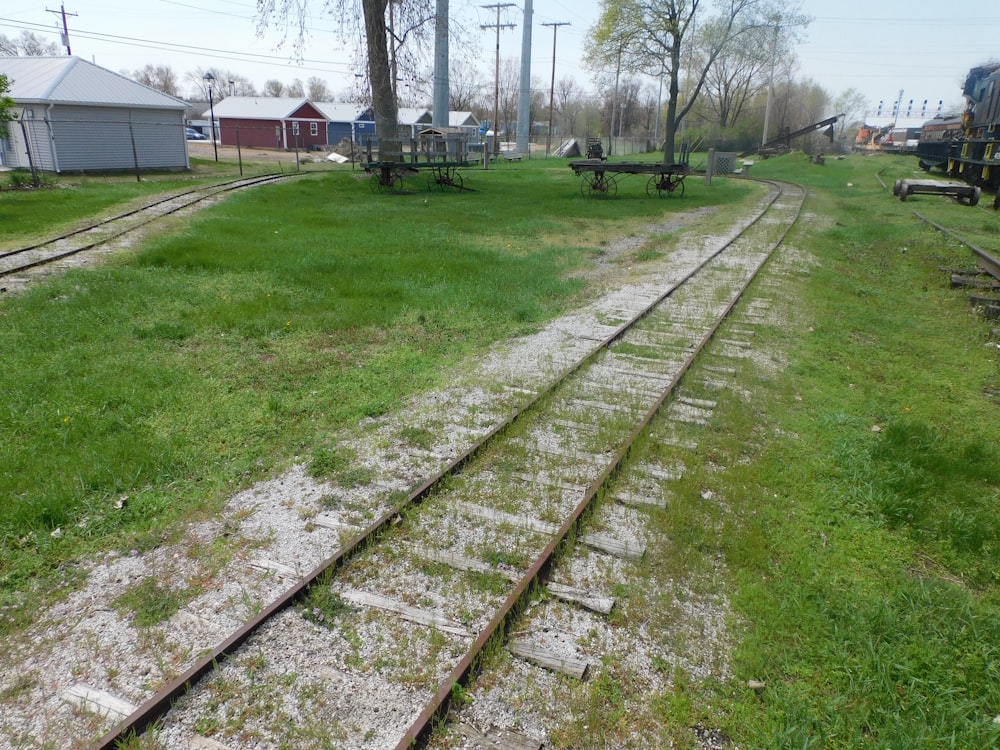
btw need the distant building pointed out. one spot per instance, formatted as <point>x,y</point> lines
<point>269,122</point>
<point>74,116</point>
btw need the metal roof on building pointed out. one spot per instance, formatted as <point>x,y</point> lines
<point>462,119</point>
<point>343,111</point>
<point>257,107</point>
<point>73,80</point>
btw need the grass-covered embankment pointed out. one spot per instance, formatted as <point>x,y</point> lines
<point>861,486</point>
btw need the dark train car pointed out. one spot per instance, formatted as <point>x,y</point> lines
<point>974,155</point>
<point>936,137</point>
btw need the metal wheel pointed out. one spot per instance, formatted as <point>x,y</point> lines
<point>895,187</point>
<point>977,193</point>
<point>678,188</point>
<point>598,183</point>
<point>456,182</point>
<point>433,182</point>
<point>904,190</point>
<point>653,186</point>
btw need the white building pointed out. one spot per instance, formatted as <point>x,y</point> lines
<point>74,116</point>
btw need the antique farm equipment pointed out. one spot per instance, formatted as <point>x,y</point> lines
<point>440,152</point>
<point>600,178</point>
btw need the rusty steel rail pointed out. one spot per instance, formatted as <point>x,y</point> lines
<point>497,628</point>
<point>158,705</point>
<point>987,261</point>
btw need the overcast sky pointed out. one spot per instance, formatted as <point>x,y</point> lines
<point>876,48</point>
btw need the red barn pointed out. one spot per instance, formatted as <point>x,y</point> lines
<point>269,122</point>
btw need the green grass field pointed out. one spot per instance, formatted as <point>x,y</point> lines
<point>863,564</point>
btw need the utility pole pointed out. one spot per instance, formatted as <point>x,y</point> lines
<point>770,82</point>
<point>552,86</point>
<point>496,86</point>
<point>65,35</point>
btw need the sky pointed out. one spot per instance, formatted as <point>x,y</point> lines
<point>878,49</point>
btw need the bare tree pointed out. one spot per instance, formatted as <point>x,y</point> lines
<point>274,87</point>
<point>317,90</point>
<point>387,29</point>
<point>465,87</point>
<point>159,77</point>
<point>28,44</point>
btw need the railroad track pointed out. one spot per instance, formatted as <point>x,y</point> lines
<point>85,239</point>
<point>986,260</point>
<point>410,604</point>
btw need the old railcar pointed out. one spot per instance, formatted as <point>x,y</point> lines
<point>975,155</point>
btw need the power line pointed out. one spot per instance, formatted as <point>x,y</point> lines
<point>172,46</point>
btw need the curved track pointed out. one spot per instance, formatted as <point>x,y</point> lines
<point>527,489</point>
<point>23,259</point>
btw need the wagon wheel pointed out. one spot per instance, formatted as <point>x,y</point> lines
<point>598,183</point>
<point>455,180</point>
<point>904,190</point>
<point>386,181</point>
<point>895,187</point>
<point>434,180</point>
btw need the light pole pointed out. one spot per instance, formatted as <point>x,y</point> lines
<point>210,79</point>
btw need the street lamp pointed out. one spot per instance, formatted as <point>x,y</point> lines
<point>210,79</point>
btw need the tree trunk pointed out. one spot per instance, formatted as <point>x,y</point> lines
<point>383,98</point>
<point>670,128</point>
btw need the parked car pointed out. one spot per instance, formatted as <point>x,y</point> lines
<point>193,135</point>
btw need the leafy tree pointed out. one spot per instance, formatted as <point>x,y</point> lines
<point>651,36</point>
<point>6,104</point>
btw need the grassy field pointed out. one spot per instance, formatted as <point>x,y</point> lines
<point>861,481</point>
<point>219,352</point>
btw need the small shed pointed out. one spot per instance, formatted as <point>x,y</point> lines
<point>74,116</point>
<point>269,122</point>
<point>443,145</point>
